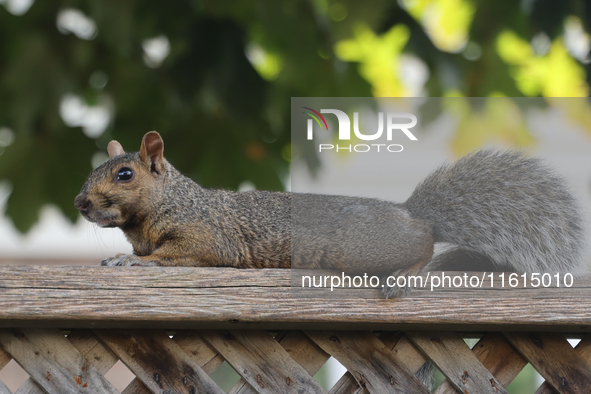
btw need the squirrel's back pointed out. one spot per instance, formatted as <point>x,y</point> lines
<point>505,206</point>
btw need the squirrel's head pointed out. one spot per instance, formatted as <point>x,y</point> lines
<point>118,193</point>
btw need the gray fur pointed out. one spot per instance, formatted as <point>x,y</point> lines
<point>505,206</point>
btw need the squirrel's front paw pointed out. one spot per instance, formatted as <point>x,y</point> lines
<point>126,260</point>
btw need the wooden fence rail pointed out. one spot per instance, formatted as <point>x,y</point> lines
<point>173,327</point>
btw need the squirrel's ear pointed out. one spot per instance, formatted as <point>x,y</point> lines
<point>115,149</point>
<point>152,151</point>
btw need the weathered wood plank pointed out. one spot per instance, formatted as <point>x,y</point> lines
<point>110,278</point>
<point>116,278</point>
<point>300,348</point>
<point>583,348</point>
<point>89,346</point>
<point>179,297</point>
<point>101,357</point>
<point>196,348</point>
<point>272,309</point>
<point>30,387</point>
<point>52,362</point>
<point>347,385</point>
<point>199,350</point>
<point>405,352</point>
<point>4,358</point>
<point>158,361</point>
<point>373,366</point>
<point>97,354</point>
<point>498,356</point>
<point>262,362</point>
<point>555,359</point>
<point>136,387</point>
<point>455,360</point>
<point>304,351</point>
<point>4,389</point>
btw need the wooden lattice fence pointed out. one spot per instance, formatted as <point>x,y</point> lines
<point>173,327</point>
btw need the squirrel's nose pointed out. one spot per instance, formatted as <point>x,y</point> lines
<point>82,203</point>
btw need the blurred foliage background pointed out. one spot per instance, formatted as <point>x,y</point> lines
<point>215,77</point>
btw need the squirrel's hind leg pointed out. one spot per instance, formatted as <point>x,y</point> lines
<point>390,286</point>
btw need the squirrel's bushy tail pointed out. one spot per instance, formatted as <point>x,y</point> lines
<point>505,206</point>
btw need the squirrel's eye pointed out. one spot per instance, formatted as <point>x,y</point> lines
<point>124,174</point>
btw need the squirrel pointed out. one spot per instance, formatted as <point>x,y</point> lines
<point>499,208</point>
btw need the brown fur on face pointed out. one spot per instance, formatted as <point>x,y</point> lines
<point>113,203</point>
<point>111,193</point>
